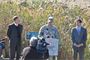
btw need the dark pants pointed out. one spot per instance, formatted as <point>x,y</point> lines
<point>79,50</point>
<point>15,51</point>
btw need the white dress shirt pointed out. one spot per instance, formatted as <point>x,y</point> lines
<point>15,24</point>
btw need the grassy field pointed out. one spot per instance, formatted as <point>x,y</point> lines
<point>35,14</point>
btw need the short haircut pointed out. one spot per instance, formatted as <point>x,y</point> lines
<point>15,17</point>
<point>79,20</point>
<point>33,41</point>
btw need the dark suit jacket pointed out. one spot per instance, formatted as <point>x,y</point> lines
<point>30,53</point>
<point>12,34</point>
<point>79,39</point>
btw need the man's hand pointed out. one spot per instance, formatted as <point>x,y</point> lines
<point>78,45</point>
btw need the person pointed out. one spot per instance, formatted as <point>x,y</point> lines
<point>14,32</point>
<point>78,37</point>
<point>30,53</point>
<point>49,31</point>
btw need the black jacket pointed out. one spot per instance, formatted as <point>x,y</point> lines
<point>30,53</point>
<point>12,34</point>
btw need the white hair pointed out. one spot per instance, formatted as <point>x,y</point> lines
<point>33,41</point>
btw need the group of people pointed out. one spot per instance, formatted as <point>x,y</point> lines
<point>14,32</point>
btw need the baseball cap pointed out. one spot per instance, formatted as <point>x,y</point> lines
<point>50,19</point>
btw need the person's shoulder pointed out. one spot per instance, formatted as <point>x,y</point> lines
<point>54,27</point>
<point>10,25</point>
<point>74,28</point>
<point>20,24</point>
<point>84,28</point>
<point>44,26</point>
<point>26,48</point>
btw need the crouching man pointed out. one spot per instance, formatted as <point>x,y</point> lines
<point>30,53</point>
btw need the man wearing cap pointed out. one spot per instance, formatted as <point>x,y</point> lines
<point>14,33</point>
<point>49,31</point>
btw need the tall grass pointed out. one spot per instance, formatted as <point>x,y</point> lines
<point>35,14</point>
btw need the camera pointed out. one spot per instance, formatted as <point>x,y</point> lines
<point>2,48</point>
<point>42,45</point>
<point>2,44</point>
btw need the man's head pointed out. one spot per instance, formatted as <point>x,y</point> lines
<point>50,21</point>
<point>78,23</point>
<point>16,19</point>
<point>33,41</point>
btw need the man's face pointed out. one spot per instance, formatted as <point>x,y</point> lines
<point>17,21</point>
<point>78,23</point>
<point>50,23</point>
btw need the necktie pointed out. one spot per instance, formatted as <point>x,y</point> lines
<point>17,25</point>
<point>78,32</point>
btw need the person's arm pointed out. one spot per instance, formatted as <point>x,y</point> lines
<point>22,28</point>
<point>41,32</point>
<point>21,35</point>
<point>72,37</point>
<point>22,52</point>
<point>8,31</point>
<point>57,35</point>
<point>84,37</point>
<point>22,55</point>
<point>47,54</point>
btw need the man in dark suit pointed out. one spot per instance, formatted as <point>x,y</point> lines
<point>14,33</point>
<point>30,53</point>
<point>79,37</point>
